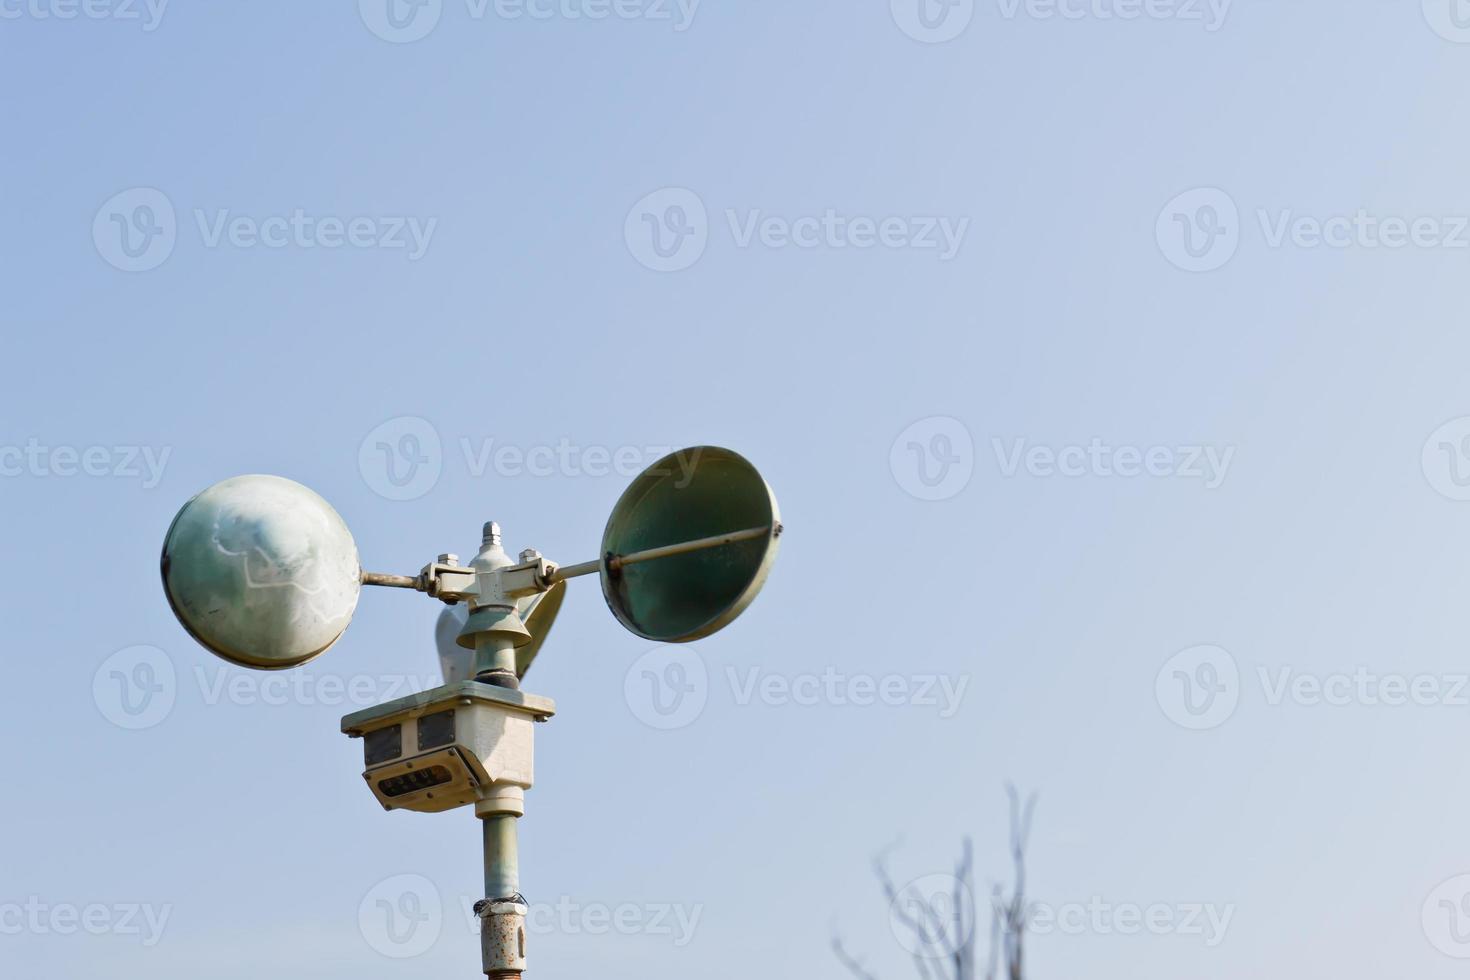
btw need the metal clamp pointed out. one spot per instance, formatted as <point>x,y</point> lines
<point>503,936</point>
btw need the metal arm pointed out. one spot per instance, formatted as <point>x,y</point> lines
<point>422,581</point>
<point>616,562</point>
<point>391,581</point>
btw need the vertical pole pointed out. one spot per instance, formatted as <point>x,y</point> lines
<point>502,857</point>
<point>503,912</point>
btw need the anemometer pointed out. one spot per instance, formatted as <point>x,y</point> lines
<point>265,574</point>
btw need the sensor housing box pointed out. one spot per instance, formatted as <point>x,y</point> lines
<point>451,746</point>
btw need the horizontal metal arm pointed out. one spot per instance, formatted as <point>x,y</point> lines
<point>392,581</point>
<point>616,562</point>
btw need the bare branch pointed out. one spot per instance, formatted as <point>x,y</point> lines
<point>854,966</point>
<point>997,902</point>
<point>953,943</point>
<point>963,898</point>
<point>1016,912</point>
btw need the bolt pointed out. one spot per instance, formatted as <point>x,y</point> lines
<point>530,554</point>
<point>492,533</point>
<point>449,559</point>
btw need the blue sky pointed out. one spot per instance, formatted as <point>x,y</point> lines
<point>1106,359</point>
